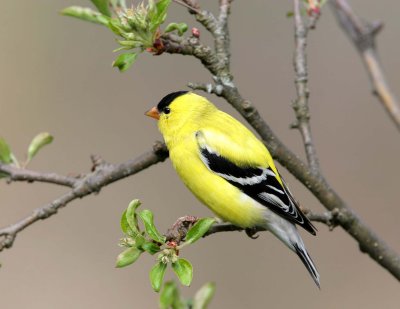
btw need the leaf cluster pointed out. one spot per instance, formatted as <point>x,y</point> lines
<point>150,240</point>
<point>137,28</point>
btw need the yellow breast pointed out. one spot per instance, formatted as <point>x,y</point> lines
<point>224,199</point>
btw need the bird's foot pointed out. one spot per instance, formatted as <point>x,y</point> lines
<point>252,232</point>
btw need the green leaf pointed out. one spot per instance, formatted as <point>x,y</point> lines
<point>131,43</point>
<point>5,152</point>
<point>128,44</point>
<point>181,28</point>
<point>121,48</point>
<point>124,61</point>
<point>150,247</point>
<point>86,14</point>
<point>115,26</point>
<point>169,295</point>
<point>162,7</point>
<point>203,296</point>
<point>102,6</point>
<point>124,224</point>
<point>128,257</point>
<point>148,221</point>
<point>158,14</point>
<point>131,217</point>
<point>157,275</point>
<point>199,229</point>
<point>38,142</point>
<point>184,270</point>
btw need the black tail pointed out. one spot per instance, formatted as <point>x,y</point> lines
<point>308,263</point>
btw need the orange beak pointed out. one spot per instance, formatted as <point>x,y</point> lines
<point>153,113</point>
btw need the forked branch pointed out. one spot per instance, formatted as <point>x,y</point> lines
<point>363,34</point>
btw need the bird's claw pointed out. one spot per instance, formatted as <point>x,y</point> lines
<point>251,232</point>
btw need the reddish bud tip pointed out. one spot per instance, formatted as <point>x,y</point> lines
<point>172,244</point>
<point>317,10</point>
<point>196,32</point>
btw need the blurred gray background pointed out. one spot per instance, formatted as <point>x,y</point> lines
<point>56,76</point>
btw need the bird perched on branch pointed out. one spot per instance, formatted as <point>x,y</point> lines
<point>229,170</point>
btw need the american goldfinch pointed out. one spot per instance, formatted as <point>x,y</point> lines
<point>229,170</point>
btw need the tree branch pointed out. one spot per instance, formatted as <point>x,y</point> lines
<point>102,175</point>
<point>191,46</point>
<point>221,34</point>
<point>328,218</point>
<point>363,37</point>
<point>209,88</point>
<point>179,229</point>
<point>300,105</point>
<point>204,17</point>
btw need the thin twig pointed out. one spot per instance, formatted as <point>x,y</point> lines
<point>20,174</point>
<point>312,21</point>
<point>363,37</point>
<point>314,13</point>
<point>188,6</point>
<point>300,105</point>
<point>103,175</point>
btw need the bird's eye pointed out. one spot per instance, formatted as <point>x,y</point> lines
<point>166,110</point>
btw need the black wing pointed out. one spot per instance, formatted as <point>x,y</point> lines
<point>260,184</point>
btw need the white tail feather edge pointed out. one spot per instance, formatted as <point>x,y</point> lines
<point>288,234</point>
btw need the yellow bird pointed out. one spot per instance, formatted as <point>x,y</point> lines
<point>229,170</point>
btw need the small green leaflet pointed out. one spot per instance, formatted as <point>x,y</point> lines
<point>157,275</point>
<point>5,152</point>
<point>102,6</point>
<point>128,257</point>
<point>131,216</point>
<point>158,14</point>
<point>169,295</point>
<point>148,221</point>
<point>181,28</point>
<point>86,14</point>
<point>204,296</point>
<point>199,229</point>
<point>37,143</point>
<point>184,271</point>
<point>124,61</point>
<point>124,224</point>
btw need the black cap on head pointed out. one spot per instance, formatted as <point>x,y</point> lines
<point>165,101</point>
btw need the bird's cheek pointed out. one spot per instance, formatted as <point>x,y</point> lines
<point>164,119</point>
